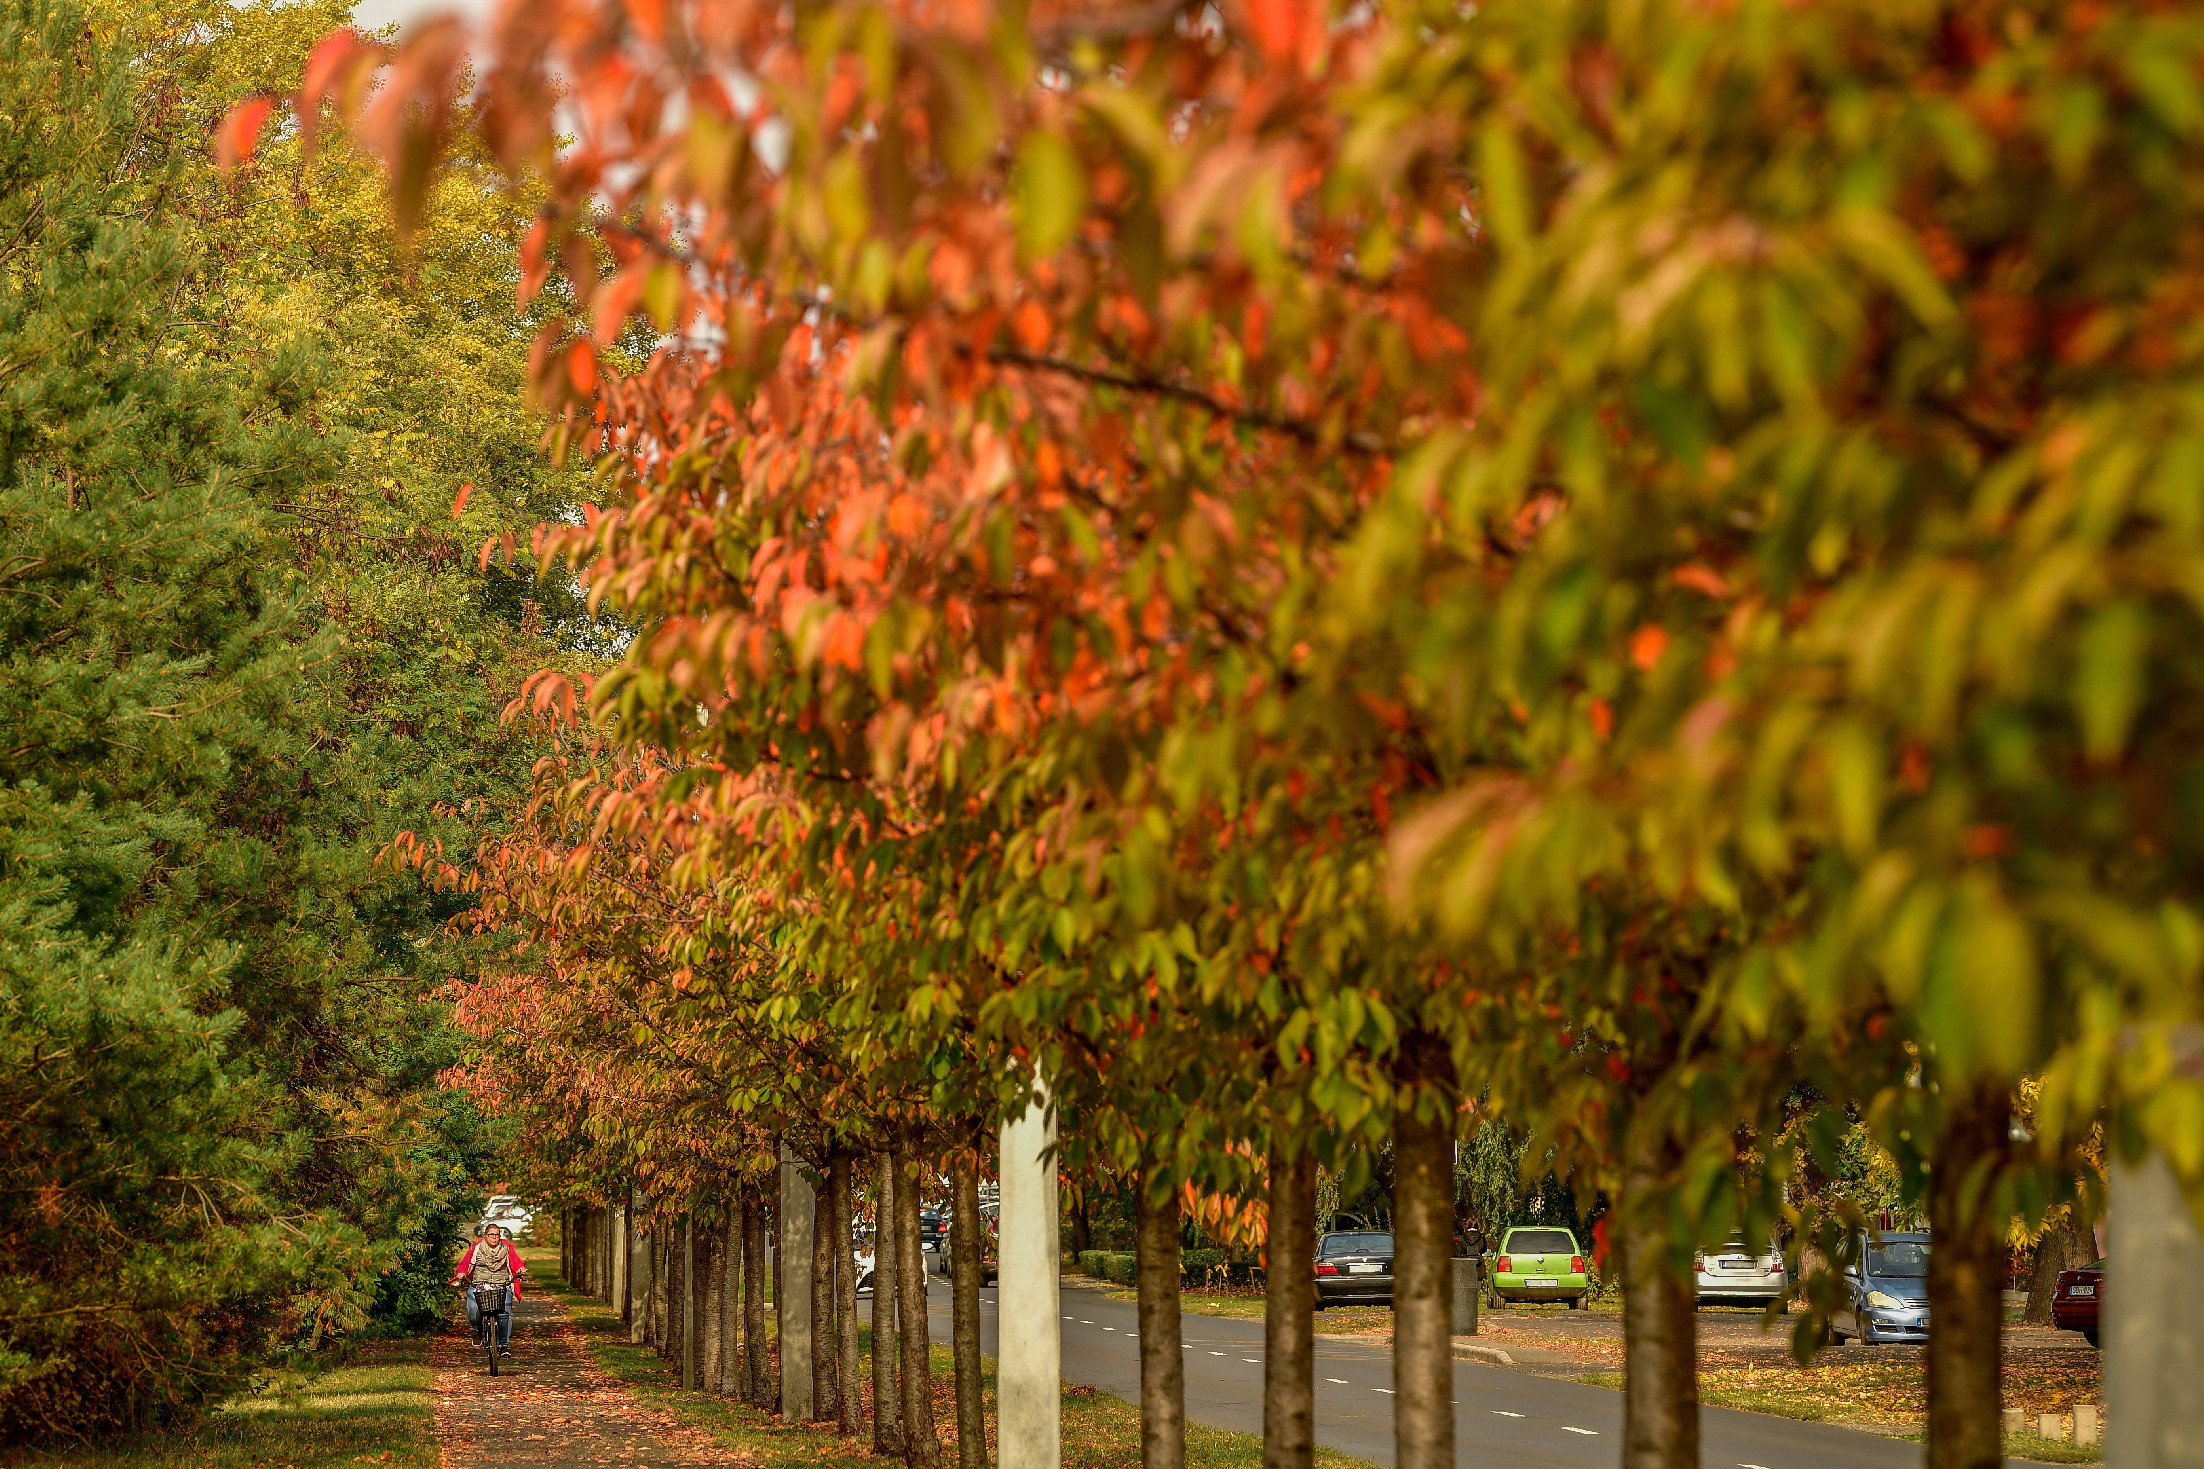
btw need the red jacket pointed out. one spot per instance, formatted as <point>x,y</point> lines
<point>512,1258</point>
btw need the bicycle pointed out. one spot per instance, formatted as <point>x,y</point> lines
<point>490,1303</point>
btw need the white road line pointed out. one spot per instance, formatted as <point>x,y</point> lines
<point>1258,1361</point>
<point>1216,1354</point>
<point>1086,1323</point>
<point>1752,1466</point>
<point>1340,1380</point>
<point>1504,1413</point>
<point>1109,1328</point>
<point>1385,1390</point>
<point>1587,1432</point>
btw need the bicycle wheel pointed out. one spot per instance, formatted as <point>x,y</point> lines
<point>489,1341</point>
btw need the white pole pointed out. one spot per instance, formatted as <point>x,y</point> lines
<point>2153,1323</point>
<point>1029,1346</point>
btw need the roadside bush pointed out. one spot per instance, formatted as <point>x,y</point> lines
<point>1114,1265</point>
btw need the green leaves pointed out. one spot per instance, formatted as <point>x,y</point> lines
<point>1048,194</point>
<point>2110,677</point>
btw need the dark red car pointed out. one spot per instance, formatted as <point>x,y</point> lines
<point>2075,1303</point>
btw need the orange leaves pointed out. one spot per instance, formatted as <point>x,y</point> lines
<point>1288,33</point>
<point>239,132</point>
<point>459,501</point>
<point>1646,646</point>
<point>581,368</point>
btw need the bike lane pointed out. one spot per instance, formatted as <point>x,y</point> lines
<point>549,1406</point>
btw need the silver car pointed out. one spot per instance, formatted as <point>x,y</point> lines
<point>1734,1276</point>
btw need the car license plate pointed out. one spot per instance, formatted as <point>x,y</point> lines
<point>1362,1269</point>
<point>2081,1290</point>
<point>1538,1282</point>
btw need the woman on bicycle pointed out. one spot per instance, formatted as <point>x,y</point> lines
<point>492,1262</point>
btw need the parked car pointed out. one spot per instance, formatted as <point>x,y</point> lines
<point>1885,1291</point>
<point>1538,1263</point>
<point>1733,1275</point>
<point>990,1258</point>
<point>933,1228</point>
<point>1354,1267</point>
<point>2077,1300</point>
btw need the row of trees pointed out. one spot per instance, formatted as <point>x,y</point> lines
<point>238,653</point>
<point>1315,577</point>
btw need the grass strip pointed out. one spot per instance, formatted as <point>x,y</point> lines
<point>372,1407</point>
<point>1788,1405</point>
<point>1100,1430</point>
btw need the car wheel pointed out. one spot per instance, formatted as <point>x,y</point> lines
<point>2089,1334</point>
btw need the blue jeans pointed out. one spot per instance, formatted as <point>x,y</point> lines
<point>504,1318</point>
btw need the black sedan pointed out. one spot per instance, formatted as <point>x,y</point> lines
<point>933,1228</point>
<point>1354,1269</point>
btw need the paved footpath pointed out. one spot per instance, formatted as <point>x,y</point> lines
<point>549,1406</point>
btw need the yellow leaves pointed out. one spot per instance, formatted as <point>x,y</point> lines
<point>1882,245</point>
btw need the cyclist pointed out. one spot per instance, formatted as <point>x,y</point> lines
<point>491,1262</point>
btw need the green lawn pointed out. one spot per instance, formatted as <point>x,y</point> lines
<point>374,1408</point>
<point>1247,1305</point>
<point>1101,1430</point>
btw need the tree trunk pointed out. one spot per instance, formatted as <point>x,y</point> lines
<point>1289,1301</point>
<point>964,1295</point>
<point>845,1297</point>
<point>2064,1246</point>
<point>712,1276</point>
<point>688,1302</point>
<point>826,1379</point>
<point>729,1382</point>
<point>762,1393</point>
<point>653,1317</point>
<point>885,1439</point>
<point>1660,1322</point>
<point>1966,1281</point>
<point>1423,1291</point>
<point>1162,1364</point>
<point>1082,1227</point>
<point>921,1444</point>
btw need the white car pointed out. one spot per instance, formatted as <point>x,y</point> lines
<point>1733,1275</point>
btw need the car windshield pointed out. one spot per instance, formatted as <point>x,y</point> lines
<point>1903,1259</point>
<point>1541,1242</point>
<point>1358,1244</point>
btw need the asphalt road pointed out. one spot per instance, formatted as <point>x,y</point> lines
<point>1504,1419</point>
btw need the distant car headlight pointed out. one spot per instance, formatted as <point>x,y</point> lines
<point>1884,1301</point>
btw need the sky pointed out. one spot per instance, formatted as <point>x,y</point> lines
<point>374,14</point>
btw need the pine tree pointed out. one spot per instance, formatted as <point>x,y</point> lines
<point>151,763</point>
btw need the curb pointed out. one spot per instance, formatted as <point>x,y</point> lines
<point>1463,1351</point>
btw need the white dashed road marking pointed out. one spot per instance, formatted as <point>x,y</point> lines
<point>1504,1413</point>
<point>1340,1380</point>
<point>1258,1361</point>
<point>1385,1390</point>
<point>1587,1432</point>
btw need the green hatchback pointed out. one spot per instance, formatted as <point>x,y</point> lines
<point>1538,1263</point>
